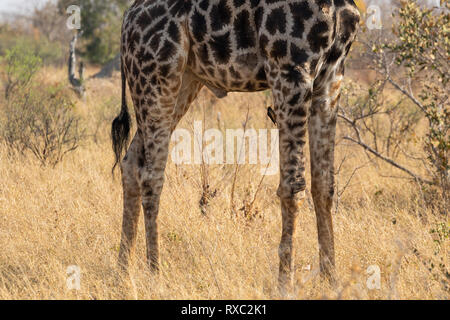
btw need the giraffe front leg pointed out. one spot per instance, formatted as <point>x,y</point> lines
<point>292,99</point>
<point>322,188</point>
<point>291,192</point>
<point>131,202</point>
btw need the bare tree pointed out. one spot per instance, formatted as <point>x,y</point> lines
<point>77,83</point>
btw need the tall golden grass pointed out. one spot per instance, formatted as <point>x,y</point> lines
<point>51,218</point>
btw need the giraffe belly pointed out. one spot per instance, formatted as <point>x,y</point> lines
<point>244,73</point>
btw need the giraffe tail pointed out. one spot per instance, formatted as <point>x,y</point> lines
<point>120,130</point>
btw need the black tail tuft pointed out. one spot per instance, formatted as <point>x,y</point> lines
<point>120,131</point>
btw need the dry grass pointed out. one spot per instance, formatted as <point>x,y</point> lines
<point>51,218</point>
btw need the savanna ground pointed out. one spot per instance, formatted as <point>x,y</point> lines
<point>52,217</point>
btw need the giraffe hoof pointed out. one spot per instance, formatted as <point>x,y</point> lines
<point>285,288</point>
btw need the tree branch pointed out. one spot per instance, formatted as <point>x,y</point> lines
<point>390,161</point>
<point>406,93</point>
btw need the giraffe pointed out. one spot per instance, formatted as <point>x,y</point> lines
<point>170,49</point>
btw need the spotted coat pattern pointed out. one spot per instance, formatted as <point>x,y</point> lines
<point>296,48</point>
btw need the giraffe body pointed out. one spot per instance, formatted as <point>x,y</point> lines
<point>296,48</point>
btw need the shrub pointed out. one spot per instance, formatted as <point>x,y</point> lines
<point>423,49</point>
<point>41,121</point>
<point>21,65</point>
<point>414,62</point>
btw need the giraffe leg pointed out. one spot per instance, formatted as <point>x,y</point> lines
<point>132,166</point>
<point>292,98</point>
<point>131,201</point>
<point>190,87</point>
<point>157,132</point>
<point>322,129</point>
<point>154,63</point>
<point>151,182</point>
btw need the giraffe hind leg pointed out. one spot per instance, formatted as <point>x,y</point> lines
<point>131,201</point>
<point>322,131</point>
<point>155,64</point>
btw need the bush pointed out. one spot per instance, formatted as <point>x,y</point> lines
<point>423,49</point>
<point>49,51</point>
<point>21,65</point>
<point>41,121</point>
<point>412,61</point>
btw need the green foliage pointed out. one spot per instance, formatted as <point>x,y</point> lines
<point>21,64</point>
<point>50,52</point>
<point>101,24</point>
<point>41,121</point>
<point>441,232</point>
<point>423,49</point>
<point>7,38</point>
<point>35,119</point>
<point>423,36</point>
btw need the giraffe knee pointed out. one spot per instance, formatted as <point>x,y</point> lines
<point>292,198</point>
<point>323,193</point>
<point>322,185</point>
<point>127,165</point>
<point>292,188</point>
<point>128,168</point>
